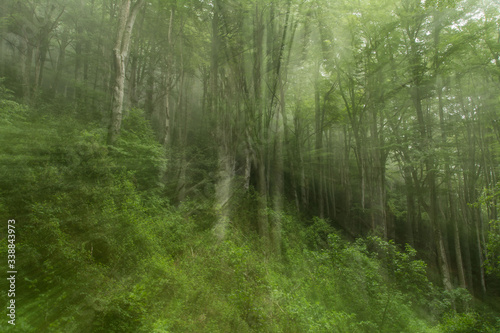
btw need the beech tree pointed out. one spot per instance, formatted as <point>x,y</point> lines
<point>126,20</point>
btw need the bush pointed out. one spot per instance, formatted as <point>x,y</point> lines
<point>84,229</point>
<point>103,251</point>
<point>467,322</point>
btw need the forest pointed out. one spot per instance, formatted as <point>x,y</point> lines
<point>250,166</point>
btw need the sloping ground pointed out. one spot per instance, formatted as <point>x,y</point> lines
<point>100,249</point>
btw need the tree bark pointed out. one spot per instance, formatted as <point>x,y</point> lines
<point>318,142</point>
<point>120,52</point>
<point>61,60</point>
<point>226,162</point>
<point>26,53</point>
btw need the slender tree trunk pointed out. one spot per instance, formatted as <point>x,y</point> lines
<point>302,171</point>
<point>223,192</point>
<point>480,249</point>
<point>150,86</point>
<point>61,59</point>
<point>78,61</point>
<point>262,130</point>
<point>410,206</point>
<point>458,248</point>
<point>133,81</point>
<point>263,222</point>
<point>42,46</point>
<point>346,179</point>
<point>168,85</point>
<point>226,162</point>
<point>134,68</point>
<point>278,172</point>
<point>318,146</point>
<point>40,56</point>
<point>120,52</point>
<point>248,156</point>
<point>277,190</point>
<point>26,54</point>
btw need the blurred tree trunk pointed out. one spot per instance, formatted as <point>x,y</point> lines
<point>220,114</point>
<point>26,53</point>
<point>61,61</point>
<point>169,82</point>
<point>261,130</point>
<point>318,145</point>
<point>126,21</point>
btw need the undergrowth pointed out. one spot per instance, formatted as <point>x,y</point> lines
<point>100,249</point>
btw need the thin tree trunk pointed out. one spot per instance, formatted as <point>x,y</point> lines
<point>150,86</point>
<point>263,222</point>
<point>278,172</point>
<point>226,163</point>
<point>120,53</point>
<point>133,81</point>
<point>78,61</point>
<point>277,192</point>
<point>26,54</point>
<point>60,63</point>
<point>168,85</point>
<point>410,207</point>
<point>318,146</point>
<point>223,192</point>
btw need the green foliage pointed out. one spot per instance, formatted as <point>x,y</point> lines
<point>5,93</point>
<point>103,251</point>
<point>11,111</point>
<point>467,322</point>
<point>401,267</point>
<point>316,235</point>
<point>492,262</point>
<point>490,198</point>
<point>119,238</point>
<point>138,150</point>
<point>79,214</point>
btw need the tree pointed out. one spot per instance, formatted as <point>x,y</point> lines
<point>126,20</point>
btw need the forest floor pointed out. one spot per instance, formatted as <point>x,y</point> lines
<point>100,248</point>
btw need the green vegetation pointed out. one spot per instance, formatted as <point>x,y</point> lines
<point>250,166</point>
<point>99,251</point>
<point>490,199</point>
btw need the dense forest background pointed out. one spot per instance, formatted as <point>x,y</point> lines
<point>252,166</point>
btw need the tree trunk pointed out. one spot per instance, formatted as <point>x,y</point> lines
<point>480,249</point>
<point>61,59</point>
<point>169,85</point>
<point>223,192</point>
<point>133,81</point>
<point>26,53</point>
<point>278,172</point>
<point>120,52</point>
<point>318,147</point>
<point>263,222</point>
<point>226,163</point>
<point>410,206</point>
<point>150,87</point>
